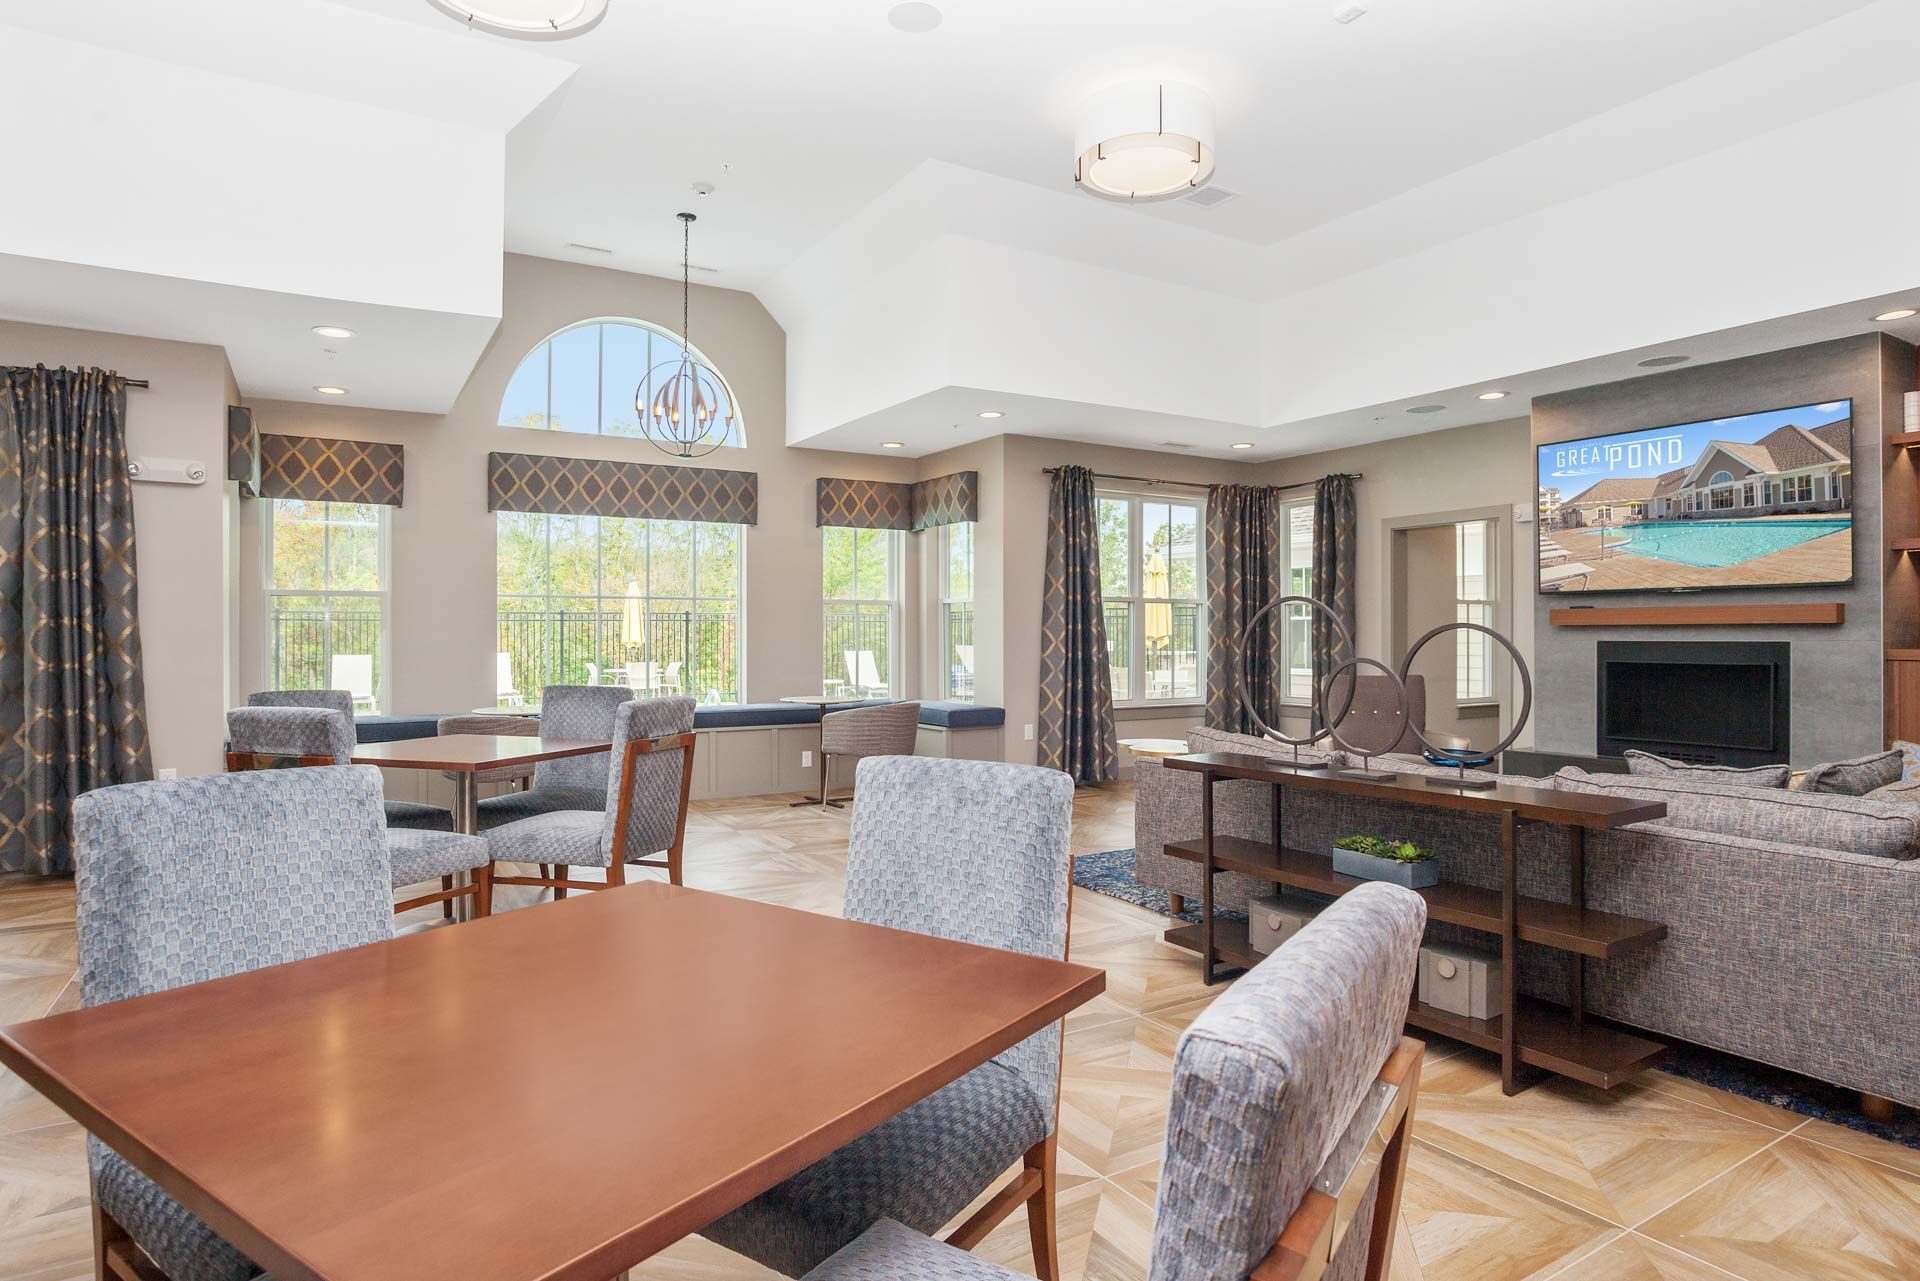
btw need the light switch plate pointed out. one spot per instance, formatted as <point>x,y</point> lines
<point>806,759</point>
<point>1029,734</point>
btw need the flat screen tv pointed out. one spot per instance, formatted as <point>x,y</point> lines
<point>1758,500</point>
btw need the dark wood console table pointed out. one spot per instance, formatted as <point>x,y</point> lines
<point>1527,1031</point>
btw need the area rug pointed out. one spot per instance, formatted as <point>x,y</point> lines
<point>1111,873</point>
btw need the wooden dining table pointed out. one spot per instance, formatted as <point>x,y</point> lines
<point>552,1094</point>
<point>466,757</point>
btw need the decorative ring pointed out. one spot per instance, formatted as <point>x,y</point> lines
<point>1246,647</point>
<point>1355,664</point>
<point>1519,665</point>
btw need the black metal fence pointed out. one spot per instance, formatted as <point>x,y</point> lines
<point>1172,661</point>
<point>960,651</point>
<point>305,641</point>
<point>674,651</point>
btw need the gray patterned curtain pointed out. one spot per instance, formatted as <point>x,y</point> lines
<point>72,706</point>
<point>1076,688</point>
<point>1244,528</point>
<point>1334,538</point>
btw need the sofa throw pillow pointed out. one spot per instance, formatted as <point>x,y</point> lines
<point>1909,757</point>
<point>1904,792</point>
<point>1647,765</point>
<point>1857,777</point>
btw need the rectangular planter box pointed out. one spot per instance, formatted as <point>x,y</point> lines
<point>1414,876</point>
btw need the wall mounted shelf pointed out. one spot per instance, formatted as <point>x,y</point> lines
<point>1820,614</point>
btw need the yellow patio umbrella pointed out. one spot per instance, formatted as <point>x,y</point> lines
<point>1158,618</point>
<point>633,622</point>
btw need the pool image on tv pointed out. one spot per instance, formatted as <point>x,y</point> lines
<point>1758,500</point>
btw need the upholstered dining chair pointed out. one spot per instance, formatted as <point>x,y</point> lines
<point>644,814</point>
<point>577,782</point>
<point>182,881</point>
<point>270,737</point>
<point>886,729</point>
<point>1291,1118</point>
<point>979,852</point>
<point>399,813</point>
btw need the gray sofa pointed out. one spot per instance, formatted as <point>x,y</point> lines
<point>1793,918</point>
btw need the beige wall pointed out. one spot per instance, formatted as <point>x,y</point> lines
<point>442,588</point>
<point>1439,474</point>
<point>181,531</point>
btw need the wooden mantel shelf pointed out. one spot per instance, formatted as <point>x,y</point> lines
<point>1822,614</point>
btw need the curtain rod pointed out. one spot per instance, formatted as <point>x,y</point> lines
<point>136,382</point>
<point>1307,484</point>
<point>1194,484</point>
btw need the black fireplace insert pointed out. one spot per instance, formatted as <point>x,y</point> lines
<point>1705,702</point>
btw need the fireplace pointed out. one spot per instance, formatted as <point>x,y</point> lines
<point>1706,702</point>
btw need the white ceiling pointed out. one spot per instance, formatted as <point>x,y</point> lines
<point>802,113</point>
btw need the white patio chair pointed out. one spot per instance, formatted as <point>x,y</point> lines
<point>863,674</point>
<point>670,679</point>
<point>354,673</point>
<point>1557,577</point>
<point>506,695</point>
<point>642,677</point>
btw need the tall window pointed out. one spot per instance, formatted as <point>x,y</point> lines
<point>1473,603</point>
<point>584,379</point>
<point>1296,552</point>
<point>860,585</point>
<point>956,608</point>
<point>1150,586</point>
<point>327,598</point>
<point>601,600</point>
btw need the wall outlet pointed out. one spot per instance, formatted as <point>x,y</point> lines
<point>169,772</point>
<point>1029,734</point>
<point>806,759</point>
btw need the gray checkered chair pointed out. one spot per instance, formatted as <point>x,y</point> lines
<point>272,737</point>
<point>576,782</point>
<point>976,851</point>
<point>885,729</point>
<point>1287,1136</point>
<point>429,818</point>
<point>644,814</point>
<point>189,880</point>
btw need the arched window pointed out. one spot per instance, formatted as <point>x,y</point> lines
<point>583,379</point>
<point>1720,478</point>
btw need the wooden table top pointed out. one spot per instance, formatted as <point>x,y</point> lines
<point>557,1092</point>
<point>472,752</point>
<point>1542,804</point>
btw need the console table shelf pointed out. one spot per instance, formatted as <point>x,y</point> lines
<point>1557,1038</point>
<point>1601,935</point>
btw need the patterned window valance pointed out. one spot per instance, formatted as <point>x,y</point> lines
<point>864,504</point>
<point>243,450</point>
<point>331,471</point>
<point>886,504</point>
<point>946,500</point>
<point>600,487</point>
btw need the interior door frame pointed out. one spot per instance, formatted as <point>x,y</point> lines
<point>1393,531</point>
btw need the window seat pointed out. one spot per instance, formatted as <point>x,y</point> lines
<point>939,714</point>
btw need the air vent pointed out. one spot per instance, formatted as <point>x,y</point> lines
<point>1212,197</point>
<point>1176,444</point>
<point>589,249</point>
<point>697,267</point>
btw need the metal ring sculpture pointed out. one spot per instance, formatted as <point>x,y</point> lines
<point>1519,665</point>
<point>1240,671</point>
<point>1354,665</point>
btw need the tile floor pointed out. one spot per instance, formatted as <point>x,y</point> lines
<point>1662,1180</point>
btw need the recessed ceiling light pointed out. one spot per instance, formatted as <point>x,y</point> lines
<point>993,413</point>
<point>331,391</point>
<point>892,444</point>
<point>1241,444</point>
<point>333,331</point>
<point>1898,313</point>
<point>1493,395</point>
<point>914,17</point>
<point>1426,409</point>
<point>704,189</point>
<point>526,19</point>
<point>1661,362</point>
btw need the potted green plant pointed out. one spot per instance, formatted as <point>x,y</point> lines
<point>1378,858</point>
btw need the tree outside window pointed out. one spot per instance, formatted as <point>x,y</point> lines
<point>326,598</point>
<point>861,608</point>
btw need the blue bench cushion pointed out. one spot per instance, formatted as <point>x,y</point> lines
<point>950,715</point>
<point>943,715</point>
<point>393,729</point>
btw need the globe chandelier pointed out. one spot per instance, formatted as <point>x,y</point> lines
<point>684,406</point>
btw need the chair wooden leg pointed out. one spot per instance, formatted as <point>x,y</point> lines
<point>105,1233</point>
<point>1041,1224</point>
<point>446,904</point>
<point>616,873</point>
<point>482,891</point>
<point>1176,903</point>
<point>1393,1176</point>
<point>1876,1108</point>
<point>560,875</point>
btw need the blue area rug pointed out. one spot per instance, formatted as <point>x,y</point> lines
<point>1111,873</point>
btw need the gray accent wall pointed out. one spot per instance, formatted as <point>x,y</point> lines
<point>1837,671</point>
